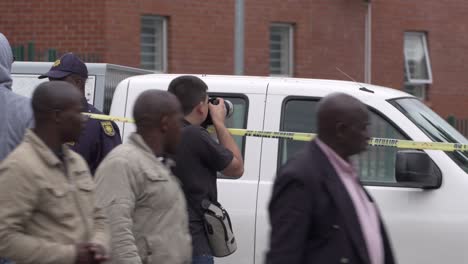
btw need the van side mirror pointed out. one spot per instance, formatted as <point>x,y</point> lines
<point>416,169</point>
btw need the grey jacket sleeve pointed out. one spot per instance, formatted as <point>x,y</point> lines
<point>115,194</point>
<point>101,233</point>
<point>18,198</point>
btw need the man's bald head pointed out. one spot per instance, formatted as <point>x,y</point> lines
<point>53,96</point>
<point>152,105</point>
<point>57,109</point>
<point>158,116</point>
<point>342,122</point>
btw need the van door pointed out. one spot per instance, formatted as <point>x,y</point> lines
<point>425,226</point>
<point>239,195</point>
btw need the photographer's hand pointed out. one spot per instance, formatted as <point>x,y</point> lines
<point>218,115</point>
<point>218,112</point>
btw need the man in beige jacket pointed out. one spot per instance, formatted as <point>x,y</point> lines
<point>144,202</point>
<point>47,210</point>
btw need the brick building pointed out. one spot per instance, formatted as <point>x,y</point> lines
<point>374,41</point>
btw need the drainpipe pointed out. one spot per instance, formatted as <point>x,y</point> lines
<point>239,38</point>
<point>368,44</point>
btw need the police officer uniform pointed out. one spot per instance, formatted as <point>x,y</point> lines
<point>98,137</point>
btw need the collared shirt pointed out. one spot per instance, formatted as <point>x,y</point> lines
<point>365,209</point>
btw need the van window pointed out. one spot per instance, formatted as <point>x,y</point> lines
<point>434,127</point>
<point>376,166</point>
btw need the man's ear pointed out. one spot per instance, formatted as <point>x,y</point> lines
<point>199,108</point>
<point>57,115</point>
<point>340,130</point>
<point>164,124</point>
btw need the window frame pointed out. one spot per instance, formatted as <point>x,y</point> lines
<point>290,27</point>
<point>164,56</point>
<point>411,81</point>
<point>370,108</point>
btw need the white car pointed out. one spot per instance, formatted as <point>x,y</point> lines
<point>426,214</point>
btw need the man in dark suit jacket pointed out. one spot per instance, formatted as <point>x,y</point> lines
<point>319,211</point>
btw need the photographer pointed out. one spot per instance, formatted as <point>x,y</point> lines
<point>199,157</point>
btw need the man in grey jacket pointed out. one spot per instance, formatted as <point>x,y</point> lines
<point>143,200</point>
<point>15,110</point>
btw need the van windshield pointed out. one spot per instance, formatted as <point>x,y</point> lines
<point>436,128</point>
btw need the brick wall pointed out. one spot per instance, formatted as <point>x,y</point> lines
<point>63,25</point>
<point>200,33</point>
<point>447,33</point>
<point>328,34</point>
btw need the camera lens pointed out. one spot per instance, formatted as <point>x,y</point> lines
<point>228,106</point>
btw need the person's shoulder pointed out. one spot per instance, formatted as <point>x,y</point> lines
<point>193,129</point>
<point>302,164</point>
<point>15,160</point>
<point>109,128</point>
<point>19,103</point>
<point>77,158</point>
<point>194,133</point>
<point>94,110</point>
<point>123,153</point>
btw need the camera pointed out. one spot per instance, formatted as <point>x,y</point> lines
<point>229,110</point>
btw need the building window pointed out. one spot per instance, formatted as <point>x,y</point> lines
<point>418,73</point>
<point>153,43</point>
<point>281,49</point>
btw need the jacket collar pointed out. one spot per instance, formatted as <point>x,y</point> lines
<point>185,123</point>
<point>44,151</point>
<point>138,141</point>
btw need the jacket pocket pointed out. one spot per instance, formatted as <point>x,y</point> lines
<point>85,191</point>
<point>86,185</point>
<point>157,191</point>
<point>156,176</point>
<point>56,201</point>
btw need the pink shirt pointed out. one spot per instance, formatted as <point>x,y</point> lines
<point>365,209</point>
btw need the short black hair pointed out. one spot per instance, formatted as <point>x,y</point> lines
<point>190,90</point>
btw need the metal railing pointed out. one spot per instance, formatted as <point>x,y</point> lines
<point>460,124</point>
<point>28,52</point>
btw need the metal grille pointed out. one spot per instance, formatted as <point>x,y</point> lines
<point>281,49</point>
<point>153,43</point>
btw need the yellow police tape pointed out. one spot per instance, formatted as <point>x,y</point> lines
<point>378,142</point>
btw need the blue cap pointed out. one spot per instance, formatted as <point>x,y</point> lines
<point>67,64</point>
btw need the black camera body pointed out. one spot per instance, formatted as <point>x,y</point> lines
<point>229,110</point>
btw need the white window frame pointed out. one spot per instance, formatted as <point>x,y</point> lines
<point>411,81</point>
<point>164,41</point>
<point>290,28</point>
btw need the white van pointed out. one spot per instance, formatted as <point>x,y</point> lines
<point>425,211</point>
